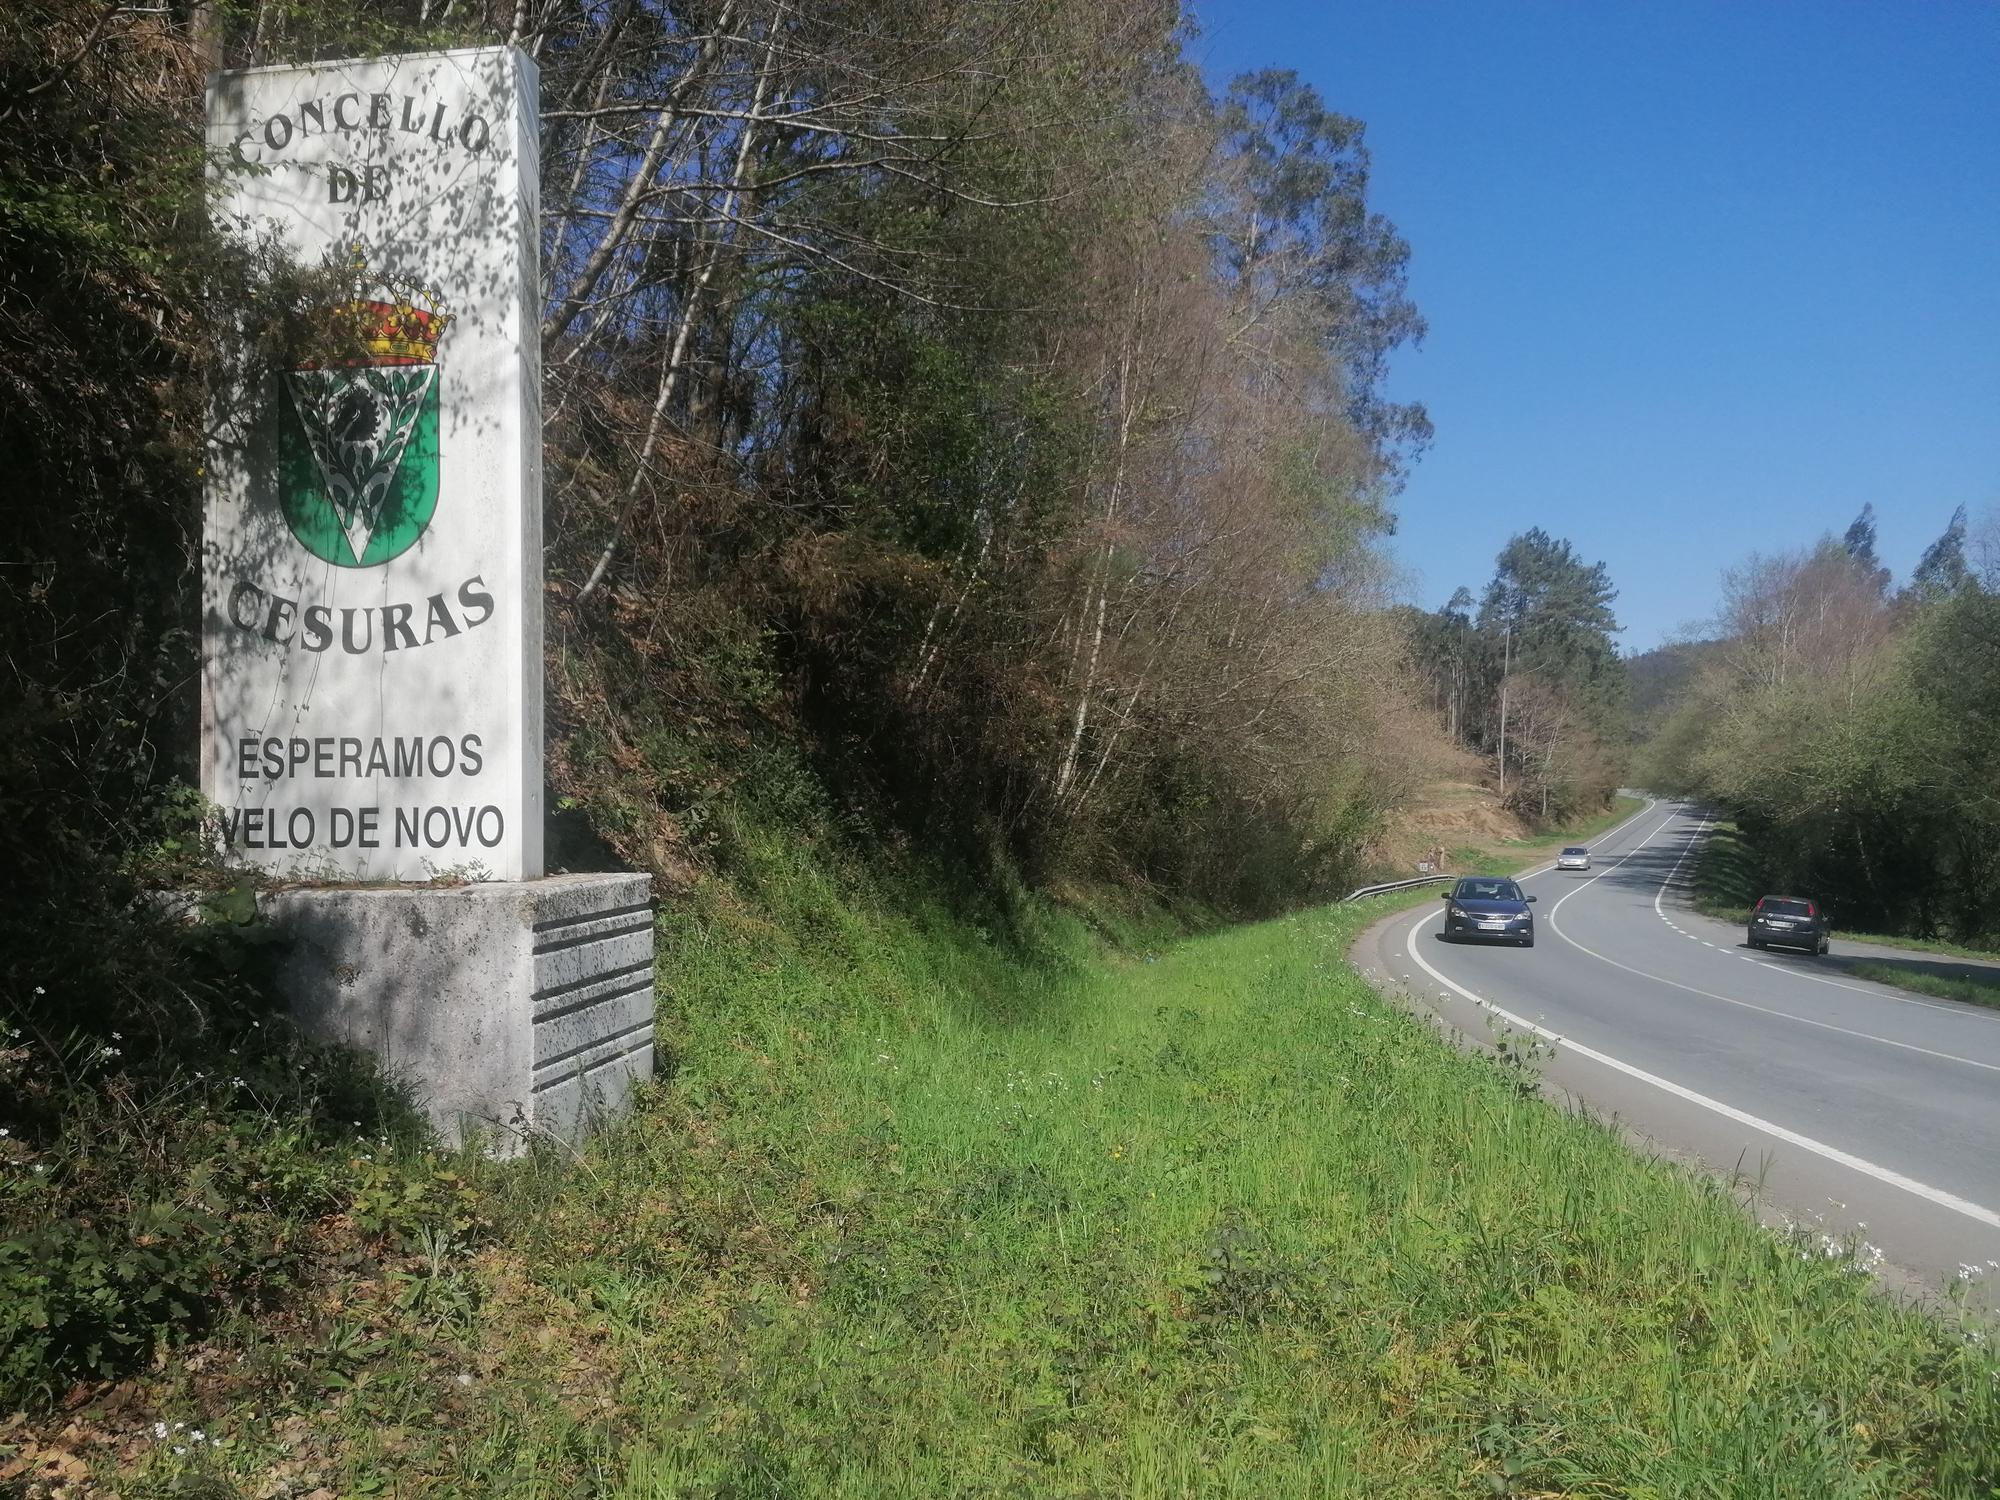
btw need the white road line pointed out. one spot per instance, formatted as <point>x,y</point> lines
<point>1877,991</point>
<point>1958,1008</point>
<point>1664,824</point>
<point>1692,843</point>
<point>1783,1015</point>
<point>1867,1168</point>
<point>1616,828</point>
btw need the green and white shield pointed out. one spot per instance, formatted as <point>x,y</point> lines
<point>358,459</point>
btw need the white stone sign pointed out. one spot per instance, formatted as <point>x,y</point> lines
<point>372,629</point>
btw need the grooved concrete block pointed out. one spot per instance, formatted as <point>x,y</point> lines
<point>510,1008</point>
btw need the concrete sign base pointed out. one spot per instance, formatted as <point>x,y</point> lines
<point>512,1009</point>
<point>372,621</point>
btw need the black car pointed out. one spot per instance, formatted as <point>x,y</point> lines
<point>1489,906</point>
<point>1789,922</point>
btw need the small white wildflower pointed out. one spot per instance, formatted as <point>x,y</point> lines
<point>4,1132</point>
<point>159,1429</point>
<point>40,991</point>
<point>117,1036</point>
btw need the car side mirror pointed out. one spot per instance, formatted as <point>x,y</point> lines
<point>1534,898</point>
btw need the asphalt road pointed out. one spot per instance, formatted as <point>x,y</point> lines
<point>1859,1108</point>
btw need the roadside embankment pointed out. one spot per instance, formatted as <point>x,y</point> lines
<point>937,1204</point>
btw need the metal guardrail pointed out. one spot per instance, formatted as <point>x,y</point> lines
<point>1393,885</point>
<point>1404,885</point>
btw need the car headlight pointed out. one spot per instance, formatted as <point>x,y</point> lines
<point>1454,911</point>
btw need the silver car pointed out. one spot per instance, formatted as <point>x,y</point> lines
<point>1576,857</point>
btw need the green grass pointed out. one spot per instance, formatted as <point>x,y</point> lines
<point>1726,880</point>
<point>979,1207</point>
<point>1507,856</point>
<point>1923,945</point>
<point>1972,987</point>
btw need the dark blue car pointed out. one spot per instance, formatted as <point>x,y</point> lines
<point>1489,906</point>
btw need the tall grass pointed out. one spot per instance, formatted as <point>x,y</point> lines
<point>950,1204</point>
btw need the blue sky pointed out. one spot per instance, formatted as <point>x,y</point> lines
<point>1701,278</point>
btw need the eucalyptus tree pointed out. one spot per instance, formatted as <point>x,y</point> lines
<point>1942,570</point>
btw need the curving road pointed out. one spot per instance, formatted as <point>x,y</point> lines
<point>1861,1108</point>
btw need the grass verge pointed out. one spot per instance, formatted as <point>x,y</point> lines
<point>1972,987</point>
<point>1923,945</point>
<point>981,1207</point>
<point>1728,880</point>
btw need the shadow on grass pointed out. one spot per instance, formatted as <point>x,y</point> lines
<point>1728,877</point>
<point>1944,978</point>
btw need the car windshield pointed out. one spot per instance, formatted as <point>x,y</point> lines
<point>1488,890</point>
<point>1775,906</point>
<point>1576,850</point>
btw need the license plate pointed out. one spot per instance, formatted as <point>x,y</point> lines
<point>1772,922</point>
<point>1493,926</point>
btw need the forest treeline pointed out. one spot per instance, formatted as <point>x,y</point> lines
<point>962,424</point>
<point>964,397</point>
<point>1851,728</point>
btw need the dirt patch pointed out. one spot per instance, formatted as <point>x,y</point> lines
<point>1459,812</point>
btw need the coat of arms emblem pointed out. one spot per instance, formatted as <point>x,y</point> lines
<point>358,428</point>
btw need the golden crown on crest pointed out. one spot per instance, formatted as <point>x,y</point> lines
<point>400,328</point>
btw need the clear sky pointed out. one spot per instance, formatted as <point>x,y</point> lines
<point>1701,278</point>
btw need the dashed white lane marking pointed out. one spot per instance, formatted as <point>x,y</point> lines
<point>1895,1179</point>
<point>1783,1015</point>
<point>1879,992</point>
<point>1693,843</point>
